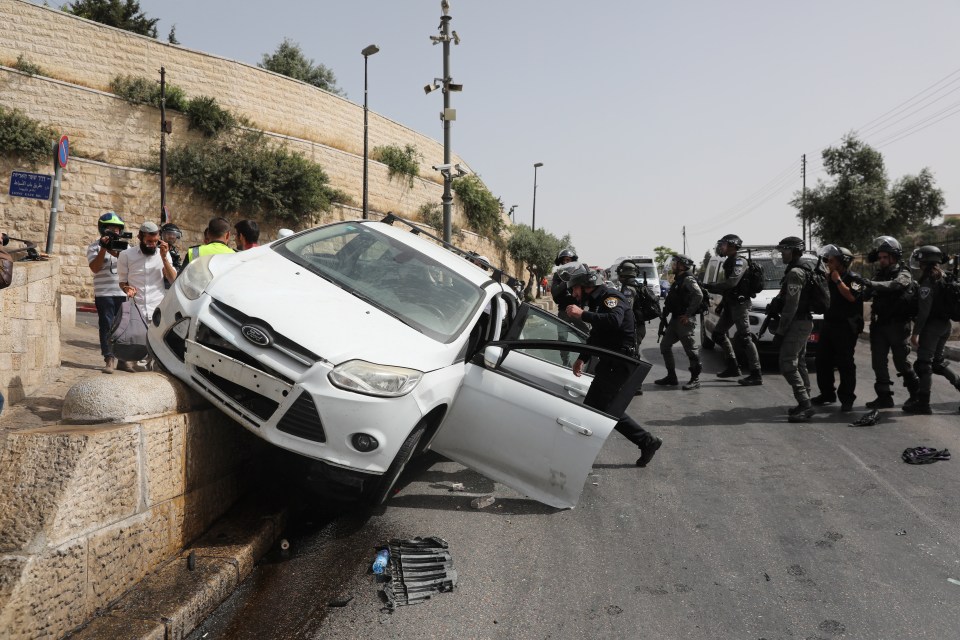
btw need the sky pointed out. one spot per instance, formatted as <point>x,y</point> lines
<point>648,117</point>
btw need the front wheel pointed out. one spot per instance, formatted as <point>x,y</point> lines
<point>705,341</point>
<point>382,488</point>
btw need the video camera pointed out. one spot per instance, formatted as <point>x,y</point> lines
<point>115,241</point>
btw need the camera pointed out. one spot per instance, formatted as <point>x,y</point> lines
<point>115,241</point>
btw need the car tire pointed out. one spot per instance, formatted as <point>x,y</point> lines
<point>705,341</point>
<point>380,491</point>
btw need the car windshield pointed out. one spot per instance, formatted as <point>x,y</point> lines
<point>773,269</point>
<point>390,275</point>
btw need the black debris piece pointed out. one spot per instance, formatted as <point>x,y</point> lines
<point>924,455</point>
<point>342,601</point>
<point>868,419</point>
<point>419,568</point>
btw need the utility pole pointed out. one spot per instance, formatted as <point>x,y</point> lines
<point>165,128</point>
<point>684,239</point>
<point>803,199</point>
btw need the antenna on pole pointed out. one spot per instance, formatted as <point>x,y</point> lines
<point>684,239</point>
<point>803,200</point>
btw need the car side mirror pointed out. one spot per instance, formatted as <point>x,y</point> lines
<point>492,357</point>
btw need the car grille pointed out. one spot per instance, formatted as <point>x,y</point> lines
<point>213,340</point>
<point>302,420</point>
<point>280,343</point>
<point>258,405</point>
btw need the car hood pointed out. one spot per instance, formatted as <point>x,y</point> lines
<point>319,315</point>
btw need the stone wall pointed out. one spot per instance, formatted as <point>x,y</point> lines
<point>87,511</point>
<point>29,328</point>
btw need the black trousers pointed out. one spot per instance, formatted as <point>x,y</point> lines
<point>838,340</point>
<point>609,376</point>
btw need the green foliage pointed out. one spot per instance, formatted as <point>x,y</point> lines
<point>172,36</point>
<point>23,136</point>
<point>431,214</point>
<point>480,206</point>
<point>856,206</point>
<point>140,90</point>
<point>241,172</point>
<point>207,116</point>
<point>662,256</point>
<point>289,60</point>
<point>29,68</point>
<point>536,249</point>
<point>401,161</point>
<point>123,14</point>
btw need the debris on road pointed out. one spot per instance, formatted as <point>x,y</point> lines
<point>924,455</point>
<point>456,486</point>
<point>380,562</point>
<point>953,581</point>
<point>342,601</point>
<point>482,502</point>
<point>419,568</point>
<point>902,532</point>
<point>868,419</point>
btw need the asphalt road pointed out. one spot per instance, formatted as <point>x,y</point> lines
<point>743,526</point>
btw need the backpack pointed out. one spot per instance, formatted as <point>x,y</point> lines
<point>753,278</point>
<point>816,290</point>
<point>704,298</point>
<point>646,306</point>
<point>128,336</point>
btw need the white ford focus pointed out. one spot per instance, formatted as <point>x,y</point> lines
<point>359,344</point>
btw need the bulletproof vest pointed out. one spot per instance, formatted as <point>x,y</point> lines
<point>935,288</point>
<point>678,299</point>
<point>890,304</point>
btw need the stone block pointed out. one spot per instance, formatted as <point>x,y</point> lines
<point>68,311</point>
<point>243,535</point>
<point>48,593</point>
<point>164,457</point>
<point>143,394</point>
<point>196,510</point>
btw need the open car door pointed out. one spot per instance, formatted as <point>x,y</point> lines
<point>519,418</point>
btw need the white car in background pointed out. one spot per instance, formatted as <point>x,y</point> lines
<point>359,344</point>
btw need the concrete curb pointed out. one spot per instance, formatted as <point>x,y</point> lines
<point>120,398</point>
<point>170,603</point>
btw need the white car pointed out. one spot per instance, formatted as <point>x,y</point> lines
<point>359,344</point>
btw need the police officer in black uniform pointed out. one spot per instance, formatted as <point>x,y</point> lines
<point>630,287</point>
<point>890,321</point>
<point>842,324</point>
<point>736,311</point>
<point>683,308</point>
<point>932,328</point>
<point>562,297</point>
<point>611,327</point>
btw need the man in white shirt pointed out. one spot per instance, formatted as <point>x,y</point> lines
<point>142,268</point>
<point>107,295</point>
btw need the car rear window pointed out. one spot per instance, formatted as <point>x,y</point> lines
<point>389,274</point>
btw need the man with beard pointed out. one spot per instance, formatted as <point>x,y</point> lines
<point>141,270</point>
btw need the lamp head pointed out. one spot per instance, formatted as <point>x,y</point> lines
<point>369,50</point>
<point>445,7</point>
<point>538,164</point>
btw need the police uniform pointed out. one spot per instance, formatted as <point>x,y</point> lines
<point>796,323</point>
<point>933,330</point>
<point>890,332</point>
<point>839,332</point>
<point>736,311</point>
<point>612,327</point>
<point>630,290</point>
<point>563,298</point>
<point>683,299</point>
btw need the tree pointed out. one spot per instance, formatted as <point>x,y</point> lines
<point>123,14</point>
<point>172,36</point>
<point>662,256</point>
<point>289,60</point>
<point>916,201</point>
<point>535,249</point>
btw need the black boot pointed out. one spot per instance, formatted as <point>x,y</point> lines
<point>920,405</point>
<point>694,378</point>
<point>752,380</point>
<point>669,380</point>
<point>882,402</point>
<point>801,413</point>
<point>648,450</point>
<point>823,399</point>
<point>732,370</point>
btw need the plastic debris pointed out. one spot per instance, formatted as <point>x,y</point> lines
<point>482,502</point>
<point>868,419</point>
<point>419,568</point>
<point>953,581</point>
<point>456,486</point>
<point>902,532</point>
<point>380,562</point>
<point>924,455</point>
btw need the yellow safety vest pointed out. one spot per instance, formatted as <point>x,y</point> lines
<point>210,249</point>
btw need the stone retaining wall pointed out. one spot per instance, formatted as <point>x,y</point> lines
<point>29,328</point>
<point>86,512</point>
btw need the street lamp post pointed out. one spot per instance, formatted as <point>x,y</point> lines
<point>533,225</point>
<point>366,52</point>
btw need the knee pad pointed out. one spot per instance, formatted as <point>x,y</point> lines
<point>922,368</point>
<point>940,367</point>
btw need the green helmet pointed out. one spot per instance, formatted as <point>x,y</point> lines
<point>109,218</point>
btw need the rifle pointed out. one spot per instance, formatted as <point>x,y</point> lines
<point>663,326</point>
<point>773,314</point>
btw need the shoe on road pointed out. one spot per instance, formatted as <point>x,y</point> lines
<point>882,402</point>
<point>821,400</point>
<point>693,384</point>
<point>667,381</point>
<point>109,364</point>
<point>802,415</point>
<point>648,451</point>
<point>752,380</point>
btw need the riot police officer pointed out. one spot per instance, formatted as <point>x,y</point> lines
<point>932,328</point>
<point>562,297</point>
<point>630,288</point>
<point>842,324</point>
<point>683,308</point>
<point>890,321</point>
<point>793,331</point>
<point>611,327</point>
<point>736,311</point>
<point>171,234</point>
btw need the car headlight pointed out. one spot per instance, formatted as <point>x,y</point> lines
<point>195,278</point>
<point>374,379</point>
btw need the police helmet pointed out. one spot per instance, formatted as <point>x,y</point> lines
<point>580,275</point>
<point>566,253</point>
<point>925,256</point>
<point>847,256</point>
<point>109,218</point>
<point>168,230</point>
<point>730,238</point>
<point>790,242</point>
<point>627,269</point>
<point>684,260</point>
<point>887,244</point>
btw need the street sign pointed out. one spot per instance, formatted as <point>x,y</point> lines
<point>30,185</point>
<point>63,151</point>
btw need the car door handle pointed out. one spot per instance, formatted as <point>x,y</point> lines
<point>575,390</point>
<point>564,422</point>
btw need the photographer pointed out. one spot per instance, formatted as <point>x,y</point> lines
<point>107,295</point>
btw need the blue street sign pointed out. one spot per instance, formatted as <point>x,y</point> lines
<point>30,185</point>
<point>63,151</point>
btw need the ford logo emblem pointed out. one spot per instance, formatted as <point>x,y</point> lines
<point>256,335</point>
